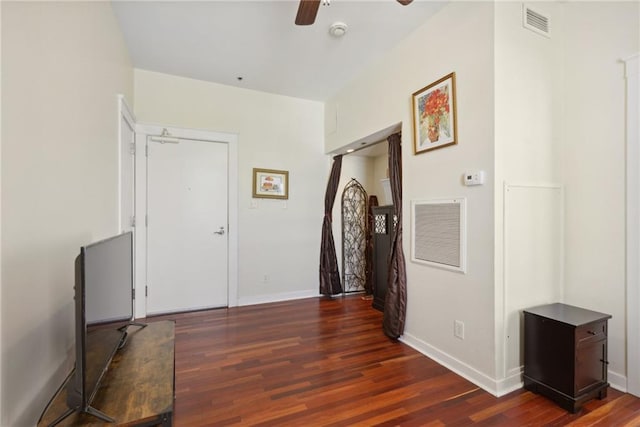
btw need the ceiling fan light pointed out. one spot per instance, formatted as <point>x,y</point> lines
<point>338,29</point>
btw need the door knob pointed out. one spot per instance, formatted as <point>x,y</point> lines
<point>220,232</point>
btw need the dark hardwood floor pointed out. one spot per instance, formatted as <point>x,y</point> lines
<point>318,362</point>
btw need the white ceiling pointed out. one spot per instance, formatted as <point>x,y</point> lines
<point>219,41</point>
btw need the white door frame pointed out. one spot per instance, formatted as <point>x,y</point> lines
<point>632,74</point>
<point>124,112</point>
<point>142,132</point>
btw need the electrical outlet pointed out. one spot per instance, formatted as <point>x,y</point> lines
<point>458,329</point>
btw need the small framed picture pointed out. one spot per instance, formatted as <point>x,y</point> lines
<point>270,184</point>
<point>434,115</point>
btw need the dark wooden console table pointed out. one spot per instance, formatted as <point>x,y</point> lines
<point>565,354</point>
<point>138,388</point>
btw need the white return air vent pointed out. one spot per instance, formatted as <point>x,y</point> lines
<point>438,233</point>
<point>535,21</point>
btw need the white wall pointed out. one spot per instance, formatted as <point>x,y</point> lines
<point>380,168</point>
<point>593,161</point>
<point>560,119</point>
<point>528,213</point>
<point>279,239</point>
<point>528,104</point>
<point>1,377</point>
<point>358,167</point>
<point>458,38</point>
<point>63,65</point>
<point>632,76</point>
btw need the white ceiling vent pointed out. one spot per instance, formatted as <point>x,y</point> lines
<point>535,21</point>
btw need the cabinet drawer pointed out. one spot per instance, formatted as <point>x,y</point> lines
<point>592,332</point>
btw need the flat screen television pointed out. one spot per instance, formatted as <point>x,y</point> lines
<point>103,310</point>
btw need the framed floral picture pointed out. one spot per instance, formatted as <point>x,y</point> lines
<point>434,115</point>
<point>270,184</point>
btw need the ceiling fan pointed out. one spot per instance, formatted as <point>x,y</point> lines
<point>308,10</point>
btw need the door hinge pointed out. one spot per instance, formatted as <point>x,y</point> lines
<point>132,148</point>
<point>146,151</point>
<point>146,291</point>
<point>133,294</point>
<point>133,221</point>
<point>146,220</point>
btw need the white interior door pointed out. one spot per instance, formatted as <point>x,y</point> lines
<point>187,243</point>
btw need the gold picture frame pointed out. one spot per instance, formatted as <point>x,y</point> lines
<point>270,184</point>
<point>435,123</point>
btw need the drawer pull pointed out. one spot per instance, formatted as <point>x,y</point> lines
<point>604,361</point>
<point>592,333</point>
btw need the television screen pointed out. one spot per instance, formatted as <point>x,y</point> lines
<point>108,279</point>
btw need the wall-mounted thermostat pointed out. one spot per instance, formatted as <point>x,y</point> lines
<point>474,178</point>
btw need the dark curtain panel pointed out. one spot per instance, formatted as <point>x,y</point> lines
<point>329,275</point>
<point>395,305</point>
<point>368,251</point>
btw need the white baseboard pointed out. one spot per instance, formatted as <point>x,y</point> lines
<point>511,383</point>
<point>285,296</point>
<point>617,381</point>
<point>496,387</point>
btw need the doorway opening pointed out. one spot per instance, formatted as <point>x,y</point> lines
<point>364,185</point>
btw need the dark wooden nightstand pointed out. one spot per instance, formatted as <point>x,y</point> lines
<point>565,354</point>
